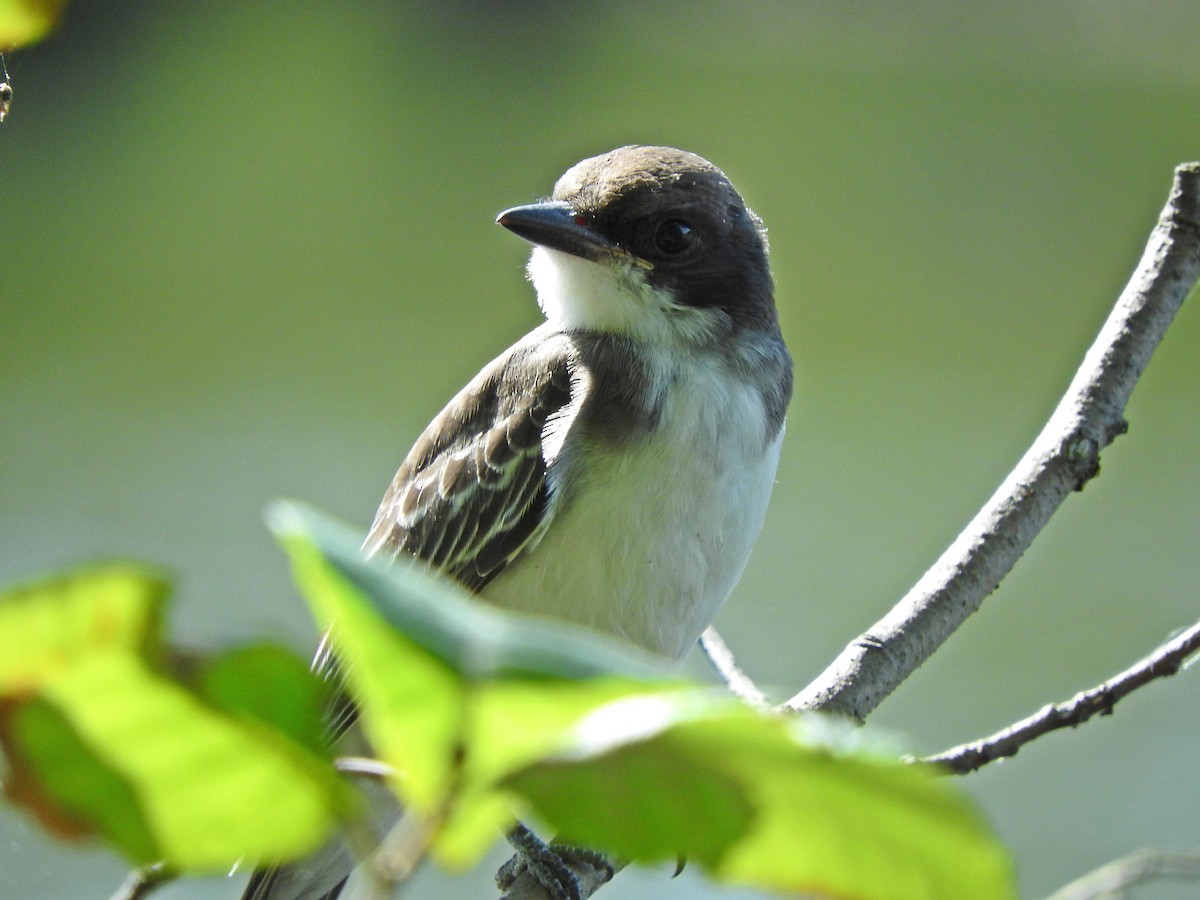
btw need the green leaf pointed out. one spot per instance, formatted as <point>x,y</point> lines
<point>57,777</point>
<point>49,625</point>
<point>477,707</point>
<point>270,685</point>
<point>414,651</point>
<point>25,22</point>
<point>511,723</point>
<point>467,635</point>
<point>410,702</point>
<point>100,741</point>
<point>754,802</point>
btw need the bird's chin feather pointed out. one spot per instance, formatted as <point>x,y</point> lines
<point>614,297</point>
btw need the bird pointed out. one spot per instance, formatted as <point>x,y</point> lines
<point>612,468</point>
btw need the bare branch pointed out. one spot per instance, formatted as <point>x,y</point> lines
<point>1168,659</point>
<point>1110,881</point>
<point>141,883</point>
<point>735,679</point>
<point>364,766</point>
<point>1061,460</point>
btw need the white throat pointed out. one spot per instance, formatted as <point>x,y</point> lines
<point>613,297</point>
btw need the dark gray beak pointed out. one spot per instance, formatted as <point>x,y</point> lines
<point>555,225</point>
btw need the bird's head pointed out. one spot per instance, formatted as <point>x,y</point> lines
<point>649,242</point>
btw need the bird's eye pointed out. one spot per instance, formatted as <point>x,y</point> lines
<point>673,236</point>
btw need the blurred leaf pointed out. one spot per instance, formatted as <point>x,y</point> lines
<point>411,676</point>
<point>647,769</point>
<point>99,742</point>
<point>511,723</point>
<point>466,634</point>
<point>25,22</point>
<point>57,778</point>
<point>424,707</point>
<point>51,624</point>
<point>270,685</point>
<point>747,798</point>
<point>409,700</point>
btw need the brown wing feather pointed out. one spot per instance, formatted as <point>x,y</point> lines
<point>472,491</point>
<point>468,497</point>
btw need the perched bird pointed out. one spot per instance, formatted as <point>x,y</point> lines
<point>612,468</point>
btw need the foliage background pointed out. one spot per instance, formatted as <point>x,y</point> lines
<point>246,251</point>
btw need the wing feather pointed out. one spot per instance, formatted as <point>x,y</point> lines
<point>472,492</point>
<point>469,498</point>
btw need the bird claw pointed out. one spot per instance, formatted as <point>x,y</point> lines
<point>549,864</point>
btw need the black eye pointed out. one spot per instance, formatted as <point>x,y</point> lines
<point>673,236</point>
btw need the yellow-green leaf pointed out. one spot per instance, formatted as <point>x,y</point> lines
<point>25,22</point>
<point>410,702</point>
<point>101,741</point>
<point>452,693</point>
<point>476,706</point>
<point>469,636</point>
<point>754,802</point>
<point>49,625</point>
<point>210,791</point>
<point>72,793</point>
<point>269,684</point>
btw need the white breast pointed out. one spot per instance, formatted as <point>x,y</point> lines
<point>648,542</point>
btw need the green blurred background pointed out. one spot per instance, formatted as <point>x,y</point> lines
<point>247,251</point>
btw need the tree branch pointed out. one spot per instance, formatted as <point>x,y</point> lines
<point>1168,659</point>
<point>364,766</point>
<point>735,679</point>
<point>141,883</point>
<point>1112,879</point>
<point>1061,460</point>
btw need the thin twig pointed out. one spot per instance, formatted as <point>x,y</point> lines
<point>1061,460</point>
<point>1168,659</point>
<point>735,679</point>
<point>407,841</point>
<point>364,766</point>
<point>141,883</point>
<point>1110,881</point>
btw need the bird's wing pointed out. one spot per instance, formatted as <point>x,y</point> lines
<point>472,494</point>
